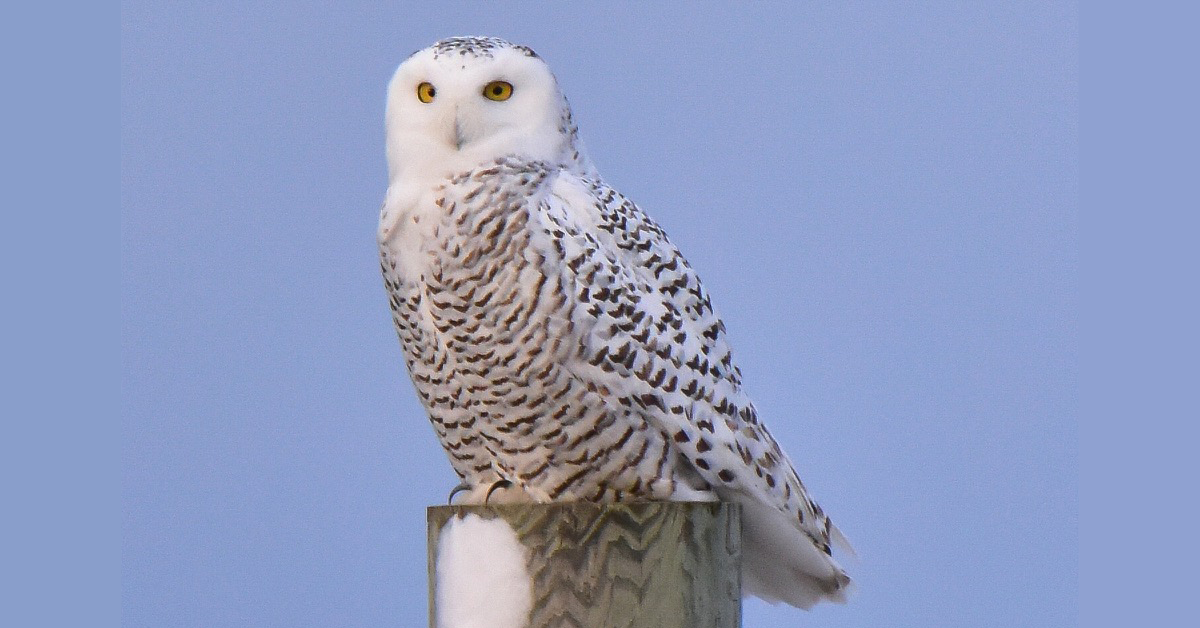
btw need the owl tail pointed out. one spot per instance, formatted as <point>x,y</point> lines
<point>781,564</point>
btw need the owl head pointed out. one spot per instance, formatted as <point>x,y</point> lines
<point>466,101</point>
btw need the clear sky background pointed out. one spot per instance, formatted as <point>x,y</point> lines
<point>881,198</point>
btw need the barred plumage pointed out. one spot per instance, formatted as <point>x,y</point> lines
<point>560,343</point>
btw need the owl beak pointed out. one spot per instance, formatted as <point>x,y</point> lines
<point>458,131</point>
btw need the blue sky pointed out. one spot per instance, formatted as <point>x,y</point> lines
<point>881,198</point>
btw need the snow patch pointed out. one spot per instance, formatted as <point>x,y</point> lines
<point>482,581</point>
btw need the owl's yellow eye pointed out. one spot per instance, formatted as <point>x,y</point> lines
<point>426,92</point>
<point>497,90</point>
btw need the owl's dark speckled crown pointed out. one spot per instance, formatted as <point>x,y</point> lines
<point>476,47</point>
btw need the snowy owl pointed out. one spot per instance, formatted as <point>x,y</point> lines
<point>562,346</point>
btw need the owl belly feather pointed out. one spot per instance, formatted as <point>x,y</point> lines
<point>489,329</point>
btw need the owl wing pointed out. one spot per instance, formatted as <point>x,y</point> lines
<point>648,334</point>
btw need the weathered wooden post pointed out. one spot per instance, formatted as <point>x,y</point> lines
<point>628,565</point>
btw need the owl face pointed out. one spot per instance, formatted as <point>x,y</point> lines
<point>466,101</point>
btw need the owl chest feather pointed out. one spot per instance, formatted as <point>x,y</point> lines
<point>490,325</point>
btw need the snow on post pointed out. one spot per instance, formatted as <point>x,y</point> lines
<point>641,564</point>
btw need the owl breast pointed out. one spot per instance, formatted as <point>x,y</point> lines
<point>487,312</point>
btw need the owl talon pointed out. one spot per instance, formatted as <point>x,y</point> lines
<point>462,486</point>
<point>499,484</point>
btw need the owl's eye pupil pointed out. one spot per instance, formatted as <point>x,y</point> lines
<point>426,92</point>
<point>497,90</point>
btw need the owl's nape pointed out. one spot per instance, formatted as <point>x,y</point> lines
<point>562,347</point>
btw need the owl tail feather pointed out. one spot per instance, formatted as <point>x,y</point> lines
<point>781,564</point>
